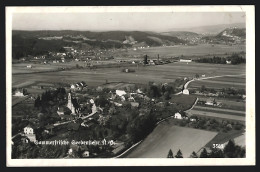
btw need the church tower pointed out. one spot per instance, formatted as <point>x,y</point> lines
<point>70,105</point>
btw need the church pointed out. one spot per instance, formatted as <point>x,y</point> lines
<point>72,105</point>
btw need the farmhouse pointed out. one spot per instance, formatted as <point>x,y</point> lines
<point>29,132</point>
<point>120,92</point>
<point>228,61</point>
<point>18,93</point>
<point>186,60</point>
<point>185,91</point>
<point>180,115</point>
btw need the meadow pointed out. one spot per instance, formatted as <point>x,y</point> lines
<point>179,50</point>
<point>218,113</point>
<point>142,74</point>
<point>157,145</point>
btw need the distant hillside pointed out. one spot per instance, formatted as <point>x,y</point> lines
<point>38,42</point>
<point>228,35</point>
<point>233,32</point>
<point>212,29</point>
<point>180,34</point>
<point>184,35</point>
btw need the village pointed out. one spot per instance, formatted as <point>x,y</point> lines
<point>77,111</point>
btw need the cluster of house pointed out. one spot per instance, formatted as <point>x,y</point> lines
<point>78,86</point>
<point>120,96</point>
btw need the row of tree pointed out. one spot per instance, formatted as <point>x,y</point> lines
<point>234,58</point>
<point>231,150</point>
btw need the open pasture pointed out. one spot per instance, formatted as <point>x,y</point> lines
<point>142,75</point>
<point>218,113</point>
<point>157,145</point>
<point>202,49</point>
<point>227,103</point>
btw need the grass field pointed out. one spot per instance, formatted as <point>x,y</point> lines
<point>157,145</point>
<point>220,110</point>
<point>216,84</point>
<point>16,100</point>
<point>228,103</point>
<point>203,49</point>
<point>223,113</point>
<point>159,73</point>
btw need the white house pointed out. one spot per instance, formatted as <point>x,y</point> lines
<point>29,66</point>
<point>91,101</point>
<point>120,92</point>
<point>18,93</point>
<point>186,91</point>
<point>186,60</point>
<point>177,115</point>
<point>228,61</point>
<point>73,86</point>
<point>29,132</point>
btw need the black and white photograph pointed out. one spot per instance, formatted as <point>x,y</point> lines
<point>165,85</point>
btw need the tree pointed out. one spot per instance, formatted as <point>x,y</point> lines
<point>204,153</point>
<point>197,75</point>
<point>145,59</point>
<point>102,101</point>
<point>167,95</point>
<point>179,154</point>
<point>193,155</point>
<point>203,88</point>
<point>163,89</point>
<point>216,153</point>
<point>170,154</point>
<point>37,102</point>
<point>230,149</point>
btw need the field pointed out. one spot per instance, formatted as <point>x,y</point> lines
<point>174,51</point>
<point>18,68</point>
<point>227,103</point>
<point>16,100</point>
<point>159,73</point>
<point>218,113</point>
<point>223,82</point>
<point>157,145</point>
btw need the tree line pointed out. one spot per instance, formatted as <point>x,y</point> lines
<point>234,59</point>
<point>231,150</point>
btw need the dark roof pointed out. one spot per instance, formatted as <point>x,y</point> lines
<point>30,125</point>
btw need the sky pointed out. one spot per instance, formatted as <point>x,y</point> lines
<point>130,21</point>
